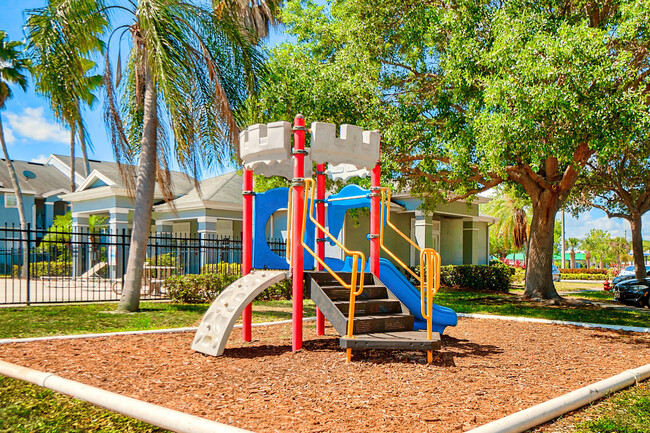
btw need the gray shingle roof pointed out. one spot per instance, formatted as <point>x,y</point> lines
<point>225,188</point>
<point>181,182</point>
<point>46,178</point>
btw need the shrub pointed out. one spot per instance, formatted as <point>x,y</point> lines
<point>222,268</point>
<point>477,277</point>
<point>167,259</point>
<point>205,288</point>
<point>192,289</point>
<point>583,276</point>
<point>46,269</point>
<point>583,271</point>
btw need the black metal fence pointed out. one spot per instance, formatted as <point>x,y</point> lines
<point>83,265</point>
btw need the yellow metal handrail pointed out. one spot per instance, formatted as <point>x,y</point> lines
<point>429,277</point>
<point>357,256</point>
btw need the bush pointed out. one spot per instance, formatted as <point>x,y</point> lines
<point>583,276</point>
<point>477,277</point>
<point>192,289</point>
<point>204,288</point>
<point>167,259</point>
<point>46,269</point>
<point>583,271</point>
<point>222,268</point>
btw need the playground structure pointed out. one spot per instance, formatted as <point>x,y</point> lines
<point>368,301</point>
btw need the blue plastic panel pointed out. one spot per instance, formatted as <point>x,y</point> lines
<point>265,204</point>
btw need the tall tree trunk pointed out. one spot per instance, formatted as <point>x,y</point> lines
<point>73,185</point>
<point>84,151</point>
<point>539,279</point>
<point>19,202</point>
<point>144,190</point>
<point>573,259</point>
<point>637,246</point>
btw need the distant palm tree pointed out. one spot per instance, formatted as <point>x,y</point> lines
<point>60,66</point>
<point>573,243</point>
<point>188,67</point>
<point>510,208</point>
<point>13,67</point>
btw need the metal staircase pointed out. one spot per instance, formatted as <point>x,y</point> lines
<point>380,320</point>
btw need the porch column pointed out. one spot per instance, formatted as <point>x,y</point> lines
<point>207,230</point>
<point>49,214</point>
<point>470,243</point>
<point>423,232</point>
<point>79,243</point>
<point>118,245</point>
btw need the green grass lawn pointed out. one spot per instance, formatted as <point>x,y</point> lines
<point>29,408</point>
<point>511,304</point>
<point>37,321</point>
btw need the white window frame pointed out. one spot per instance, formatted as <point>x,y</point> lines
<point>8,206</point>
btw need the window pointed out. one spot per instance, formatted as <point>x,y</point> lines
<point>10,200</point>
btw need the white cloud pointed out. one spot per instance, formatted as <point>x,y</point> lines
<point>10,138</point>
<point>40,158</point>
<point>33,125</point>
<point>596,219</point>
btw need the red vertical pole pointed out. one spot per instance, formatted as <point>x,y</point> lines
<point>296,223</point>
<point>247,247</point>
<point>320,236</point>
<point>375,219</point>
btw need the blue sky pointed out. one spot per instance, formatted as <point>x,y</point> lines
<point>32,134</point>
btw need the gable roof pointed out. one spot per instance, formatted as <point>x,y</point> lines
<point>109,173</point>
<point>40,180</point>
<point>225,189</point>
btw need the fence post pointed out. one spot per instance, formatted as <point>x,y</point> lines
<point>29,238</point>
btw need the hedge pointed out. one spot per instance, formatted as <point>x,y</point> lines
<point>222,268</point>
<point>42,269</point>
<point>583,271</point>
<point>477,277</point>
<point>204,288</point>
<point>583,276</point>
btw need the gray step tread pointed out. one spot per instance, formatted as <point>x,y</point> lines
<point>371,306</point>
<point>401,340</point>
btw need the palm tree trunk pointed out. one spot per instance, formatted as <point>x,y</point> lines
<point>144,190</point>
<point>73,186</point>
<point>84,151</point>
<point>19,201</point>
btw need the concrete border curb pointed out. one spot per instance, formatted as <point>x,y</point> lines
<point>555,322</point>
<point>551,409</point>
<point>150,413</point>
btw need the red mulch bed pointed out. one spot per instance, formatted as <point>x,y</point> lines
<point>485,370</point>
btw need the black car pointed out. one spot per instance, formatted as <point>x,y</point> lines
<point>618,279</point>
<point>633,292</point>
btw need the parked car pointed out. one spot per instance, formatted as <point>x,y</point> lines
<point>633,292</point>
<point>556,273</point>
<point>629,271</point>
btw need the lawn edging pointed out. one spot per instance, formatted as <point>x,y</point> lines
<point>551,409</point>
<point>142,332</point>
<point>150,413</point>
<point>554,322</point>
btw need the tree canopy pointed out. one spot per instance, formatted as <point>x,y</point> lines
<point>476,93</point>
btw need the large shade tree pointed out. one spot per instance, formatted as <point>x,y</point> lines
<point>188,65</point>
<point>477,93</point>
<point>13,69</point>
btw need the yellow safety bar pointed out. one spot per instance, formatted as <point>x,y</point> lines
<point>357,274</point>
<point>429,277</point>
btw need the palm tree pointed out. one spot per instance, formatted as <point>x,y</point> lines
<point>510,208</point>
<point>61,67</point>
<point>573,243</point>
<point>13,66</point>
<point>188,67</point>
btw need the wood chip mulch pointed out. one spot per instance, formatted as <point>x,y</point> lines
<point>485,370</point>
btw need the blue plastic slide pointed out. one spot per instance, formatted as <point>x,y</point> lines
<point>408,294</point>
